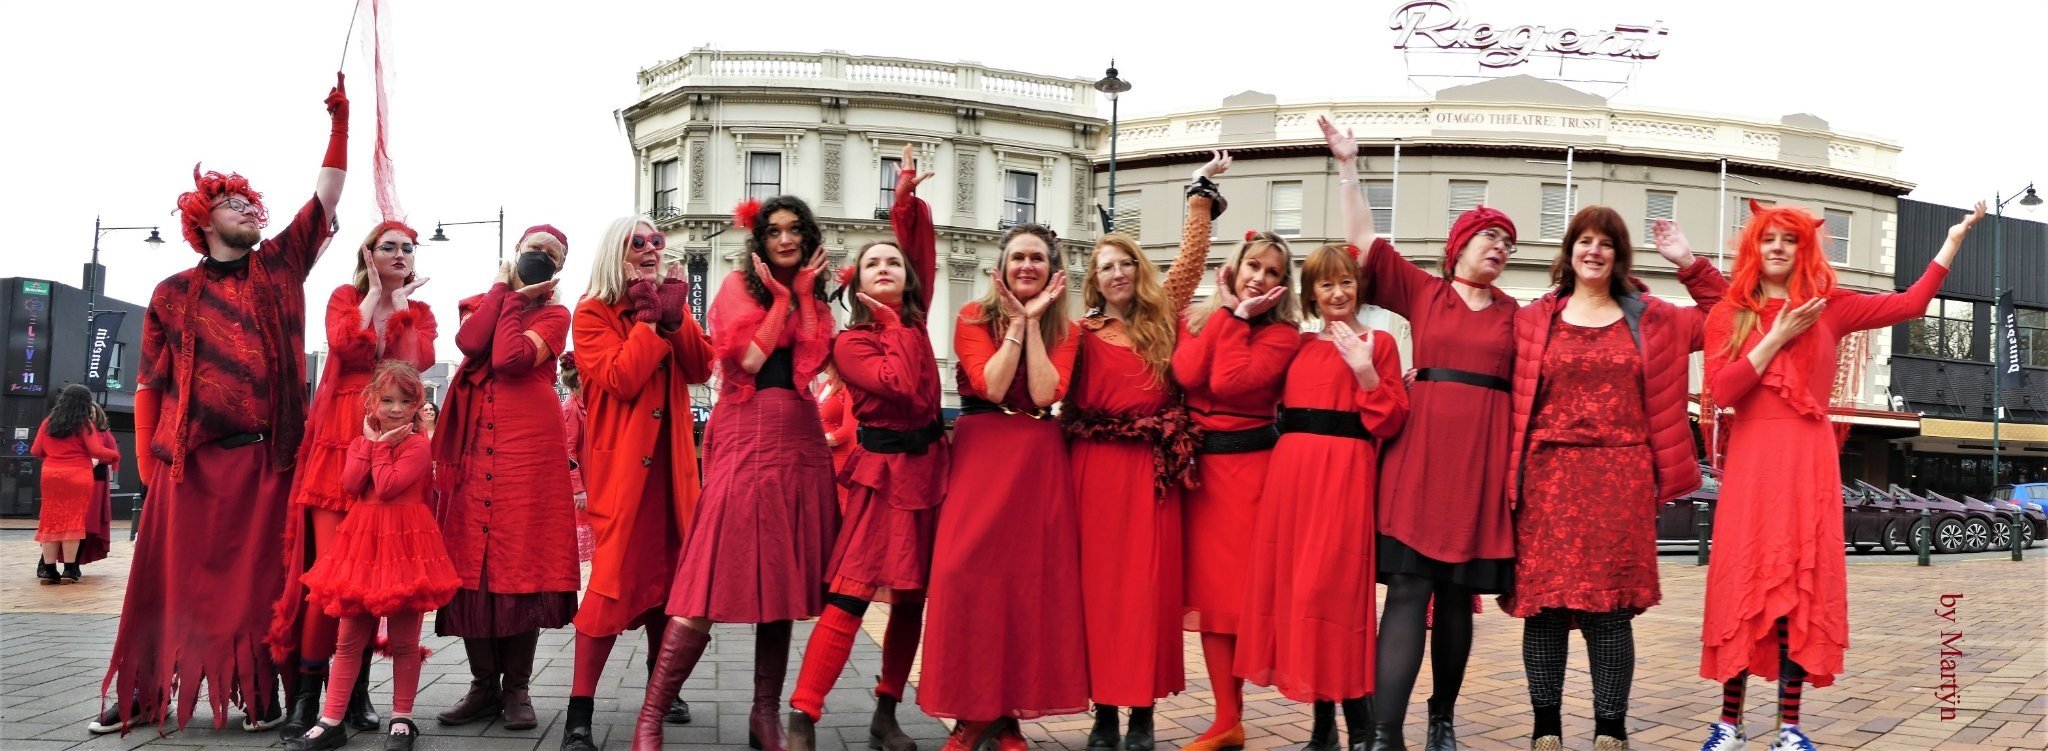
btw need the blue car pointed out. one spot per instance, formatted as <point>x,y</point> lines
<point>2033,495</point>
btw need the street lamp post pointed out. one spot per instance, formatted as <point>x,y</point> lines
<point>2029,199</point>
<point>1112,86</point>
<point>92,276</point>
<point>442,237</point>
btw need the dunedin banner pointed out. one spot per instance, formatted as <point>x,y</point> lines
<point>2008,357</point>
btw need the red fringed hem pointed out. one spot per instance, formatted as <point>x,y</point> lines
<point>245,673</point>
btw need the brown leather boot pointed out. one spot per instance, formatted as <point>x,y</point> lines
<point>515,659</point>
<point>484,698</point>
<point>883,732</point>
<point>681,647</point>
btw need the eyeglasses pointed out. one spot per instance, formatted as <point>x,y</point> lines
<point>396,248</point>
<point>240,206</point>
<point>643,242</point>
<point>1499,236</point>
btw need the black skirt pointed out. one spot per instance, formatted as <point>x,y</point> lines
<point>1486,576</point>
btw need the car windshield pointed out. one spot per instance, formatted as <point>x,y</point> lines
<point>2038,492</point>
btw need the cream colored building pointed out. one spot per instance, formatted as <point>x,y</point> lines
<point>712,128</point>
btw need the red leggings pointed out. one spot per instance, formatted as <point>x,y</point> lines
<point>357,632</point>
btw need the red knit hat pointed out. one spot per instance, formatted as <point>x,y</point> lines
<point>549,229</point>
<point>1478,219</point>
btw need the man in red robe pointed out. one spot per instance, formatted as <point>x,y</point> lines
<point>221,409</point>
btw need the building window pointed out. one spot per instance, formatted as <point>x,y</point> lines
<point>1286,209</point>
<point>115,349</point>
<point>1379,196</point>
<point>891,167</point>
<point>1945,331</point>
<point>1127,217</point>
<point>764,175</point>
<point>666,173</point>
<point>1465,195</point>
<point>1020,197</point>
<point>2032,337</point>
<point>1837,228</point>
<point>1659,204</point>
<point>1557,211</point>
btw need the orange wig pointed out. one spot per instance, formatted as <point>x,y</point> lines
<point>1812,276</point>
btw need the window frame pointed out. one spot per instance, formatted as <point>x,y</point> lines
<point>1649,209</point>
<point>673,170</point>
<point>1451,200</point>
<point>1012,204</point>
<point>887,198</point>
<point>2034,345</point>
<point>1544,214</point>
<point>753,184</point>
<point>1828,237</point>
<point>1274,212</point>
<point>1947,331</point>
<point>1386,212</point>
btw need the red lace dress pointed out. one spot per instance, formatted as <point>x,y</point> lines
<point>1586,531</point>
<point>387,557</point>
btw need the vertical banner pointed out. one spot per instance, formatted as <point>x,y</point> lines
<point>700,267</point>
<point>28,339</point>
<point>106,327</point>
<point>2008,345</point>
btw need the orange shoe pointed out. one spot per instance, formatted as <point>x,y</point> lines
<point>1228,740</point>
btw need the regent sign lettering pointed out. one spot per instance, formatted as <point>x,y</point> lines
<point>1442,24</point>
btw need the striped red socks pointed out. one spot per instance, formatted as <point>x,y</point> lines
<point>1791,679</point>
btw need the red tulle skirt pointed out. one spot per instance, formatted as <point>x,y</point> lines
<point>385,558</point>
<point>316,482</point>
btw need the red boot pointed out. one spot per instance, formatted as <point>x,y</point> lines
<point>681,647</point>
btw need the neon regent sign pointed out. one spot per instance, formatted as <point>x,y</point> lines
<point>1442,24</point>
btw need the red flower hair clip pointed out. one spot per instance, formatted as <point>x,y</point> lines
<point>744,212</point>
<point>846,276</point>
<point>1353,250</point>
<point>1250,235</point>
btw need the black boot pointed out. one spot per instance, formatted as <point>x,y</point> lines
<point>397,741</point>
<point>1323,735</point>
<point>361,714</point>
<point>1441,736</point>
<point>305,708</point>
<point>1104,733</point>
<point>1139,737</point>
<point>1386,736</point>
<point>47,572</point>
<point>71,573</point>
<point>576,726</point>
<point>883,731</point>
<point>1358,722</point>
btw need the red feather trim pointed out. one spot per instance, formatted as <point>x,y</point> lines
<point>743,214</point>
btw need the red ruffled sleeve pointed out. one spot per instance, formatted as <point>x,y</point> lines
<point>1250,360</point>
<point>349,342</point>
<point>1393,282</point>
<point>409,335</point>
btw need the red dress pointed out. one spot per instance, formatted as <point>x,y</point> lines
<point>336,417</point>
<point>1231,374</point>
<point>891,501</point>
<point>1587,525</point>
<point>1002,636</point>
<point>67,485</point>
<point>1456,518</point>
<point>1777,549</point>
<point>99,513</point>
<point>387,557</point>
<point>1309,608</point>
<point>768,517</point>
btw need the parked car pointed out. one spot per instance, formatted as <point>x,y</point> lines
<point>1897,521</point>
<point>1868,514</point>
<point>1946,521</point>
<point>2034,494</point>
<point>2001,531</point>
<point>1980,519</point>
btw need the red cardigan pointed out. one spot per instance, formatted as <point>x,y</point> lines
<point>1666,336</point>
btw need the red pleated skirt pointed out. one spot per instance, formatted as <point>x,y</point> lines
<point>1003,633</point>
<point>1217,522</point>
<point>385,559</point>
<point>67,495</point>
<point>1130,573</point>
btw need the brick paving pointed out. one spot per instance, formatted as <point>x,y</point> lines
<point>54,643</point>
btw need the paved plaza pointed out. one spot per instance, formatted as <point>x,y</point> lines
<point>55,640</point>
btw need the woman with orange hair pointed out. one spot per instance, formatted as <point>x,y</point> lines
<point>1777,589</point>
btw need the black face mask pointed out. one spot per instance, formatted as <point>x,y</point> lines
<point>535,267</point>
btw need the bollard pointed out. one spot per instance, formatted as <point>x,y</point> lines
<point>1706,525</point>
<point>1925,541</point>
<point>2019,521</point>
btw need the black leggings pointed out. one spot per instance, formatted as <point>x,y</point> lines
<point>1610,653</point>
<point>1400,651</point>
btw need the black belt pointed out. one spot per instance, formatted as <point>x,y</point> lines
<point>915,442</point>
<point>1239,441</point>
<point>1469,378</point>
<point>1332,422</point>
<point>974,405</point>
<point>239,440</point>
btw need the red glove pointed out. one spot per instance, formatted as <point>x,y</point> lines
<point>337,135</point>
<point>646,301</point>
<point>674,299</point>
<point>806,283</point>
<point>149,406</point>
<point>769,336</point>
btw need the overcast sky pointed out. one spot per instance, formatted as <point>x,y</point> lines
<point>511,102</point>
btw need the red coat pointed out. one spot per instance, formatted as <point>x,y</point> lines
<point>621,362</point>
<point>1666,336</point>
<point>501,455</point>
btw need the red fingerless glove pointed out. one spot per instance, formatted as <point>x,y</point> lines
<point>646,301</point>
<point>337,134</point>
<point>674,300</point>
<point>769,336</point>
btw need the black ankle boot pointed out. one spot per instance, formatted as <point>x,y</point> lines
<point>1358,722</point>
<point>1103,735</point>
<point>1139,736</point>
<point>72,574</point>
<point>1322,736</point>
<point>576,725</point>
<point>1442,736</point>
<point>1386,736</point>
<point>361,714</point>
<point>305,706</point>
<point>47,572</point>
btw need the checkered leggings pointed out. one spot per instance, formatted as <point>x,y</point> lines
<point>1610,649</point>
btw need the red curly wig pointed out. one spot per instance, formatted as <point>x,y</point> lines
<point>195,207</point>
<point>1812,276</point>
<point>398,375</point>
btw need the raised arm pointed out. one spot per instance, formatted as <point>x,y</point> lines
<point>530,332</point>
<point>480,329</point>
<point>99,448</point>
<point>1858,312</point>
<point>884,363</point>
<point>350,340</point>
<point>978,352</point>
<point>334,166</point>
<point>916,236</point>
<point>396,468</point>
<point>1047,377</point>
<point>1248,360</point>
<point>1203,199</point>
<point>1358,229</point>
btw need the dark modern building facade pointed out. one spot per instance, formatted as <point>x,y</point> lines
<point>48,341</point>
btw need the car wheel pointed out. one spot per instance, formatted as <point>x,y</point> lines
<point>2001,536</point>
<point>1948,536</point>
<point>1892,539</point>
<point>1923,537</point>
<point>1976,535</point>
<point>2026,535</point>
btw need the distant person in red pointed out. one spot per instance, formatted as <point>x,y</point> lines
<point>99,517</point>
<point>386,560</point>
<point>638,350</point>
<point>369,320</point>
<point>69,445</point>
<point>507,512</point>
<point>765,525</point>
<point>219,416</point>
<point>895,474</point>
<point>1132,453</point>
<point>1308,625</point>
<point>1002,640</point>
<point>1601,441</point>
<point>1777,585</point>
<point>575,425</point>
<point>835,415</point>
<point>1230,362</point>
